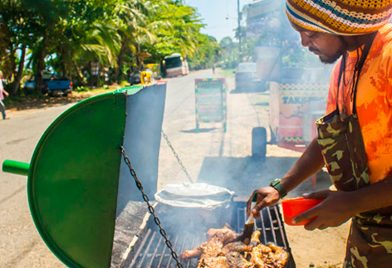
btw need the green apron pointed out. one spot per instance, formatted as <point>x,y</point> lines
<point>370,239</point>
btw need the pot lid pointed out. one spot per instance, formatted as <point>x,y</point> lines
<point>194,195</point>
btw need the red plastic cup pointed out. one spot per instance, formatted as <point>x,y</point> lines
<point>295,206</point>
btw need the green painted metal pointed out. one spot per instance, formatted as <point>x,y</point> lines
<point>16,167</point>
<point>131,90</point>
<point>73,180</point>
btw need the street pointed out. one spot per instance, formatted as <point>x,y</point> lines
<point>209,155</point>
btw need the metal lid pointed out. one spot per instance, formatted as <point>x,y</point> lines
<point>194,195</point>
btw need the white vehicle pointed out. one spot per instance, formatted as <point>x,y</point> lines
<point>175,65</point>
<point>245,76</point>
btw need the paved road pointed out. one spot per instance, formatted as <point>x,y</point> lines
<point>20,244</point>
<point>209,155</point>
<point>212,155</point>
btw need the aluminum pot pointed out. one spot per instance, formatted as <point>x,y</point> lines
<point>194,206</point>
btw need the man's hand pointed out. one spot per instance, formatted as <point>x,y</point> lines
<point>266,196</point>
<point>5,93</point>
<point>336,208</point>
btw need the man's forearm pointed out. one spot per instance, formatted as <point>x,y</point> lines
<point>309,163</point>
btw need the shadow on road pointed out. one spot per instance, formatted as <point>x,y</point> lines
<point>240,91</point>
<point>28,102</point>
<point>265,103</point>
<point>249,90</point>
<point>199,130</point>
<point>39,102</point>
<point>243,175</point>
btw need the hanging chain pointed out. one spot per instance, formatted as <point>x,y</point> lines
<point>150,207</point>
<point>177,156</point>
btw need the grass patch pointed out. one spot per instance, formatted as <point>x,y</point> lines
<point>227,72</point>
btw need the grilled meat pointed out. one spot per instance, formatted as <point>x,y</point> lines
<point>281,257</point>
<point>226,234</point>
<point>192,253</point>
<point>269,255</point>
<point>221,250</point>
<point>259,256</point>
<point>214,262</point>
<point>210,248</point>
<point>237,246</point>
<point>217,238</point>
<point>236,260</point>
<point>255,238</point>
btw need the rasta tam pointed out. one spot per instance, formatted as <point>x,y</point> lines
<point>340,17</point>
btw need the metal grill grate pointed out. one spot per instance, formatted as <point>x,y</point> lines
<point>270,224</point>
<point>151,251</point>
<point>154,253</point>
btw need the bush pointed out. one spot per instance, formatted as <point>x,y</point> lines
<point>81,89</point>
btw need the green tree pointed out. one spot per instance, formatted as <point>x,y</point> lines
<point>177,29</point>
<point>207,54</point>
<point>18,26</point>
<point>229,52</point>
<point>68,36</point>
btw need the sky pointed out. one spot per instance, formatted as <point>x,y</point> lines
<point>219,15</point>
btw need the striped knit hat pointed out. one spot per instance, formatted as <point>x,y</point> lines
<point>341,17</point>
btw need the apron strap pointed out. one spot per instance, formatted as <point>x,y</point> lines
<point>341,75</point>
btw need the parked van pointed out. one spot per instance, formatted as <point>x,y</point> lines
<point>245,76</point>
<point>175,65</point>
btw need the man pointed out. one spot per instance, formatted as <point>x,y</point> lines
<point>355,137</point>
<point>3,94</point>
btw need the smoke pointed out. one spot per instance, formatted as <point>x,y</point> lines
<point>296,94</point>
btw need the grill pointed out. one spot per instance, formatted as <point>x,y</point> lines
<point>148,249</point>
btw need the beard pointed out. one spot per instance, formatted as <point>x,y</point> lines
<point>332,58</point>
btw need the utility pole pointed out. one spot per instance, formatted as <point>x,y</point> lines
<point>239,31</point>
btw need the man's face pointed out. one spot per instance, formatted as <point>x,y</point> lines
<point>328,47</point>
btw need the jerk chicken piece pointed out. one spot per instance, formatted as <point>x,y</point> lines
<point>226,234</point>
<point>213,262</point>
<point>241,247</point>
<point>223,250</point>
<point>281,257</point>
<point>236,260</point>
<point>210,252</point>
<point>211,256</point>
<point>255,238</point>
<point>258,250</point>
<point>258,255</point>
<point>217,238</point>
<point>269,255</point>
<point>237,246</point>
<point>192,253</point>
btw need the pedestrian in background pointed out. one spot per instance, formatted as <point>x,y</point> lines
<point>3,94</point>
